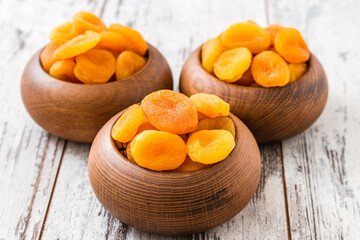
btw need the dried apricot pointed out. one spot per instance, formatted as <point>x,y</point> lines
<point>210,146</point>
<point>84,21</point>
<point>64,70</point>
<point>133,36</point>
<point>47,55</point>
<point>273,29</point>
<point>297,70</point>
<point>63,32</point>
<point>246,34</point>
<point>210,52</point>
<point>224,123</point>
<point>232,64</point>
<point>170,111</point>
<point>189,165</point>
<point>128,63</point>
<point>210,105</point>
<point>246,79</point>
<point>127,125</point>
<point>291,46</point>
<point>113,41</point>
<point>201,116</point>
<point>145,126</point>
<point>270,70</point>
<point>129,155</point>
<point>77,45</point>
<point>158,150</point>
<point>95,66</point>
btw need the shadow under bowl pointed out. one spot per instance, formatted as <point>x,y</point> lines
<point>272,114</point>
<point>174,202</point>
<point>77,111</point>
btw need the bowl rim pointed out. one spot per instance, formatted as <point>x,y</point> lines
<point>150,52</point>
<point>300,80</point>
<point>134,167</point>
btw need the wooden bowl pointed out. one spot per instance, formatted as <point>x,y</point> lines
<point>78,111</point>
<point>174,202</point>
<point>272,114</point>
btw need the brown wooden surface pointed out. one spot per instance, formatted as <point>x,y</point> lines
<point>78,111</point>
<point>174,202</point>
<point>272,114</point>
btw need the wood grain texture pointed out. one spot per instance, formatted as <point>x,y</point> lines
<point>322,164</point>
<point>77,111</point>
<point>177,202</point>
<point>272,114</point>
<point>263,218</point>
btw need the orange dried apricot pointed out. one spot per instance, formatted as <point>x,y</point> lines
<point>95,66</point>
<point>246,79</point>
<point>232,64</point>
<point>128,63</point>
<point>210,146</point>
<point>63,32</point>
<point>273,29</point>
<point>133,36</point>
<point>158,150</point>
<point>270,70</point>
<point>145,126</point>
<point>47,55</point>
<point>291,46</point>
<point>64,70</point>
<point>201,116</point>
<point>125,128</point>
<point>210,52</point>
<point>224,123</point>
<point>297,70</point>
<point>170,111</point>
<point>246,34</point>
<point>129,155</point>
<point>113,41</point>
<point>189,165</point>
<point>77,45</point>
<point>210,105</point>
<point>84,21</point>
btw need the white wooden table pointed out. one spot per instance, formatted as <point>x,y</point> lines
<point>310,184</point>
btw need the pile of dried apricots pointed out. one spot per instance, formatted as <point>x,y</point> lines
<point>170,131</point>
<point>249,55</point>
<point>84,50</point>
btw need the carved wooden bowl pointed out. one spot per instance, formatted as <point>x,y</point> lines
<point>272,114</point>
<point>174,202</point>
<point>78,111</point>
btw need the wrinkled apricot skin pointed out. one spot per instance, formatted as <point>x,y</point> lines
<point>210,52</point>
<point>158,150</point>
<point>297,70</point>
<point>247,35</point>
<point>210,146</point>
<point>224,123</point>
<point>291,46</point>
<point>210,105</point>
<point>127,125</point>
<point>270,70</point>
<point>170,111</point>
<point>113,41</point>
<point>95,66</point>
<point>47,55</point>
<point>189,165</point>
<point>84,21</point>
<point>273,29</point>
<point>133,37</point>
<point>246,79</point>
<point>64,70</point>
<point>231,64</point>
<point>128,63</point>
<point>63,32</point>
<point>77,45</point>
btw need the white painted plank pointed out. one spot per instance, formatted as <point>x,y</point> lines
<point>29,156</point>
<point>322,164</point>
<point>176,29</point>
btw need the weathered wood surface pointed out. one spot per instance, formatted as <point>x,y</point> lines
<point>310,185</point>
